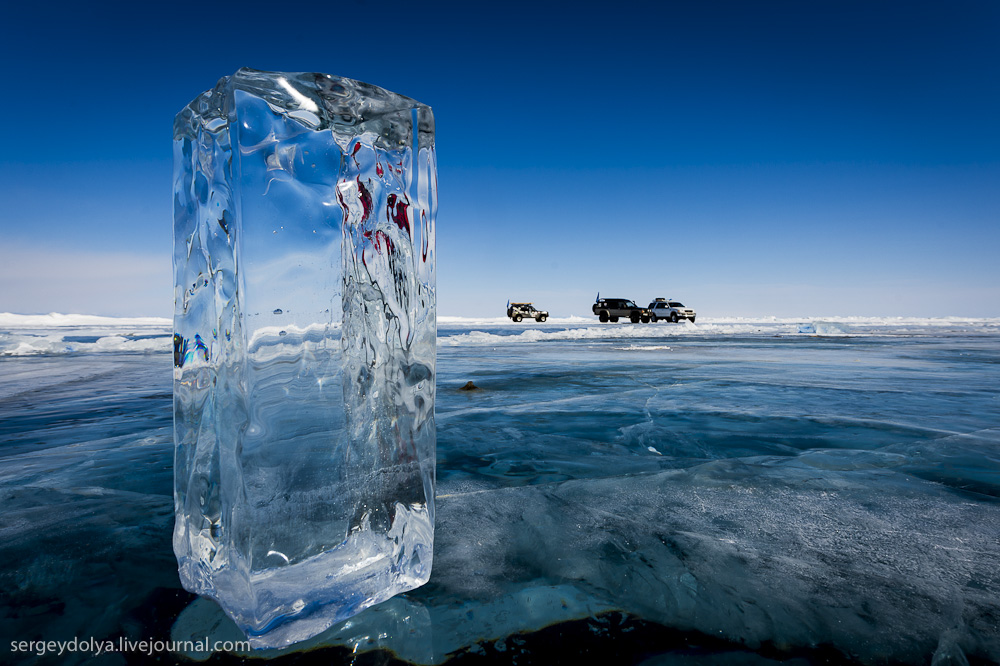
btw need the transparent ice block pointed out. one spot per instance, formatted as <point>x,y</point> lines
<point>304,348</point>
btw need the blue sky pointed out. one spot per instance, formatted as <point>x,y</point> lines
<point>787,158</point>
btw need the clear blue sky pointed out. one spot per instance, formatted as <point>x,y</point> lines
<point>827,157</point>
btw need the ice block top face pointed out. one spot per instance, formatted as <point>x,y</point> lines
<point>319,102</point>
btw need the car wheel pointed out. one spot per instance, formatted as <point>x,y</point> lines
<point>614,320</point>
<point>673,317</point>
<point>517,317</point>
<point>634,317</point>
<point>652,318</point>
<point>692,320</point>
<point>603,316</point>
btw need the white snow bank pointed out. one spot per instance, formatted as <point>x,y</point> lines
<point>716,326</point>
<point>57,320</point>
<point>58,334</point>
<point>450,320</point>
<point>56,345</point>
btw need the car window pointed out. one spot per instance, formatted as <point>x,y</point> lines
<point>675,304</point>
<point>629,304</point>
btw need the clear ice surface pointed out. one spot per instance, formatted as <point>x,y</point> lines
<point>304,349</point>
<point>808,490</point>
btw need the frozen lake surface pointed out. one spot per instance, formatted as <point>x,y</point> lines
<point>732,491</point>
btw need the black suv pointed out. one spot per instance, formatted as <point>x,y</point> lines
<point>610,309</point>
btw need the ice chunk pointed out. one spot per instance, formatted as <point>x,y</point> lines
<point>824,328</point>
<point>304,348</point>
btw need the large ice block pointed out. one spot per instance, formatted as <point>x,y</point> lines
<point>304,348</point>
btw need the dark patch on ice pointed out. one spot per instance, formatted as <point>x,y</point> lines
<point>151,336</point>
<point>154,616</point>
<point>88,339</point>
<point>78,562</point>
<point>619,638</point>
<point>469,386</point>
<point>614,638</point>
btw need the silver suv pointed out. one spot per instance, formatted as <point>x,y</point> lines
<point>674,311</point>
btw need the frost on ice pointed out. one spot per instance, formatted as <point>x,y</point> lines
<point>304,348</point>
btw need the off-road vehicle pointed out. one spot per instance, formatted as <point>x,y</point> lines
<point>611,309</point>
<point>674,311</point>
<point>518,311</point>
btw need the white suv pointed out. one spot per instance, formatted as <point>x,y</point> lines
<point>674,311</point>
